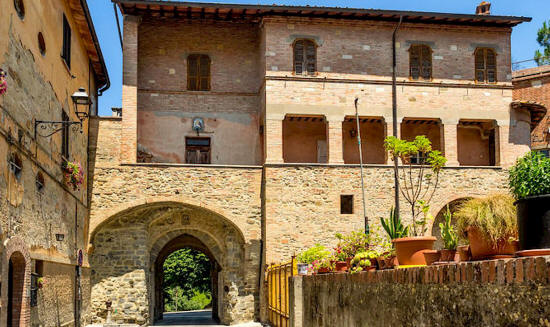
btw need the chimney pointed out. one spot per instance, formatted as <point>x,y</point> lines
<point>117,112</point>
<point>483,8</point>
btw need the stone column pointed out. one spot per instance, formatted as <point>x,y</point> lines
<point>389,132</point>
<point>449,142</point>
<point>128,151</point>
<point>334,140</point>
<point>273,134</point>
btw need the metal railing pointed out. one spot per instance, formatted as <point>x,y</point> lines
<point>279,292</point>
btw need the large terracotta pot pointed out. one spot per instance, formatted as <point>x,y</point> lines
<point>410,250</point>
<point>482,249</point>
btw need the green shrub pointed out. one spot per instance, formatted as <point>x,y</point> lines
<point>315,253</point>
<point>197,300</point>
<point>530,176</point>
<point>494,216</point>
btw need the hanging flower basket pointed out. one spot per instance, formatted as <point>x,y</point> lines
<point>40,282</point>
<point>3,82</point>
<point>74,176</point>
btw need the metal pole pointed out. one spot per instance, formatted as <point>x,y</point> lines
<point>367,229</point>
<point>394,117</point>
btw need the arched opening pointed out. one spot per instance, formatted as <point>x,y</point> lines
<point>453,207</point>
<point>186,281</point>
<point>16,289</point>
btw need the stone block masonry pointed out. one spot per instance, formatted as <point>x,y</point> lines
<point>513,292</point>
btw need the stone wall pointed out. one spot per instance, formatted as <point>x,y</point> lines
<point>303,201</point>
<point>511,292</point>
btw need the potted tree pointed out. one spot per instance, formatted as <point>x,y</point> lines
<point>490,226</point>
<point>449,236</point>
<point>530,185</point>
<point>419,180</point>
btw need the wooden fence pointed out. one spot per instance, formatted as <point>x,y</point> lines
<point>278,288</point>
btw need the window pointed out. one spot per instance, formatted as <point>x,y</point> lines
<point>486,65</point>
<point>198,72</point>
<point>305,57</point>
<point>346,204</point>
<point>418,159</point>
<point>420,57</point>
<point>197,150</point>
<point>65,137</point>
<point>66,51</point>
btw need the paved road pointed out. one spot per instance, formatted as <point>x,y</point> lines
<point>189,318</point>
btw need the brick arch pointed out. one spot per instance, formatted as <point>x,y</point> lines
<point>130,206</point>
<point>16,250</point>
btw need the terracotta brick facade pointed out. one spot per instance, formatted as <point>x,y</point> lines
<point>533,84</point>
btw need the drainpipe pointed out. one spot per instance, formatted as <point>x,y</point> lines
<point>394,115</point>
<point>367,229</point>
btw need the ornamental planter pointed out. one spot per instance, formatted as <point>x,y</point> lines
<point>482,249</point>
<point>447,255</point>
<point>533,214</point>
<point>410,250</point>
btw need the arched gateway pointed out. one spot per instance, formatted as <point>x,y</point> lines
<point>130,247</point>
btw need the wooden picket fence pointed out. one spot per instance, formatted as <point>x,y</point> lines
<point>278,288</point>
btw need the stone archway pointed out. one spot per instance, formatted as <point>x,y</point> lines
<point>128,248</point>
<point>16,273</point>
<point>180,242</point>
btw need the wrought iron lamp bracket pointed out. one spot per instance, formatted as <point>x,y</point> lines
<point>52,127</point>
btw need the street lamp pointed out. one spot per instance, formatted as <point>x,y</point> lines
<point>80,98</point>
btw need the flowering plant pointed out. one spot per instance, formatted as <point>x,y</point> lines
<point>3,82</point>
<point>40,282</point>
<point>74,175</point>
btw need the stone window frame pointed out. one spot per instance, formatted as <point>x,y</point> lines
<point>485,70</point>
<point>420,77</point>
<point>305,62</point>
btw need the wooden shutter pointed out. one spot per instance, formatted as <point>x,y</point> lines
<point>198,73</point>
<point>305,57</point>
<point>485,66</point>
<point>420,62</point>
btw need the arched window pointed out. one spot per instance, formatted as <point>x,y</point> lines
<point>420,62</point>
<point>486,65</point>
<point>305,57</point>
<point>198,72</point>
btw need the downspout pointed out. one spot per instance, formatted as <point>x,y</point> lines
<point>366,219</point>
<point>394,115</point>
<point>118,26</point>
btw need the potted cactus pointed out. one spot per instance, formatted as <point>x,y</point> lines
<point>449,236</point>
<point>530,185</point>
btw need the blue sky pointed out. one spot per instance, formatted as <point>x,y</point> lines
<point>523,38</point>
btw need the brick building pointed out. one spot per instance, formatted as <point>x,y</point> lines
<point>532,88</point>
<point>237,136</point>
<point>43,221</point>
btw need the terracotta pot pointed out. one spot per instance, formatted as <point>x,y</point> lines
<point>381,262</point>
<point>323,270</point>
<point>341,266</point>
<point>447,255</point>
<point>431,256</point>
<point>390,262</point>
<point>482,249</point>
<point>348,263</point>
<point>410,250</point>
<point>464,252</point>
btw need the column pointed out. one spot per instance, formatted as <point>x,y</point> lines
<point>128,151</point>
<point>273,135</point>
<point>449,142</point>
<point>389,132</point>
<point>334,140</point>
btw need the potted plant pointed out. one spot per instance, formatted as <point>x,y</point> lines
<point>419,181</point>
<point>530,185</point>
<point>40,282</point>
<point>308,257</point>
<point>490,226</point>
<point>364,261</point>
<point>352,243</point>
<point>74,175</point>
<point>323,266</point>
<point>3,82</point>
<point>449,236</point>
